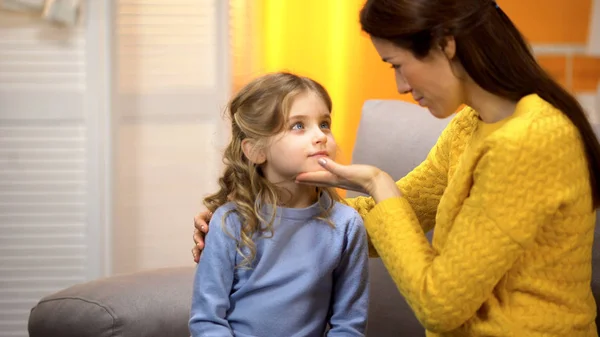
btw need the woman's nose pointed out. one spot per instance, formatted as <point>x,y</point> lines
<point>402,86</point>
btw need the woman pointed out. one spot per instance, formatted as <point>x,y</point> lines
<point>511,186</point>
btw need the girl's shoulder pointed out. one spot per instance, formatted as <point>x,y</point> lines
<point>225,209</point>
<point>345,216</point>
<point>226,219</point>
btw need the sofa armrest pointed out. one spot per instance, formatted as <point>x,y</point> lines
<point>153,303</point>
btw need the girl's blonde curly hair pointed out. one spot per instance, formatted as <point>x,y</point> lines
<point>259,111</point>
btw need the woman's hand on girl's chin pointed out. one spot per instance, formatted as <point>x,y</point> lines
<point>327,179</point>
<point>350,177</point>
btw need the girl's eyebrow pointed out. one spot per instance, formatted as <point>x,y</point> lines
<point>324,115</point>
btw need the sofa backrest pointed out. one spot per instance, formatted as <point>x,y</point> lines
<point>396,136</point>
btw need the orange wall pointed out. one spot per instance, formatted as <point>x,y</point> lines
<point>322,39</point>
<point>550,21</point>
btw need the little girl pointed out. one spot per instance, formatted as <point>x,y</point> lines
<point>281,259</point>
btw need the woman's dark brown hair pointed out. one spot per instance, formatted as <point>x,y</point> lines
<point>489,47</point>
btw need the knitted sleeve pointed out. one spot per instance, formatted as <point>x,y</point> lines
<point>423,186</point>
<point>513,192</point>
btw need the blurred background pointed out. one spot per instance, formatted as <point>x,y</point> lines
<point>111,124</point>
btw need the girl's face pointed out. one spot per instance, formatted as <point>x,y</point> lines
<point>431,81</point>
<point>306,138</point>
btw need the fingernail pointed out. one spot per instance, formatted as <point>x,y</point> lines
<point>322,161</point>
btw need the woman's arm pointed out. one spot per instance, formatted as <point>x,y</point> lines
<point>514,191</point>
<point>423,186</point>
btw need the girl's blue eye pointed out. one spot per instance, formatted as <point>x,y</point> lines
<point>325,125</point>
<point>298,126</point>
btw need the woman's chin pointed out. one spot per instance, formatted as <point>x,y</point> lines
<point>439,113</point>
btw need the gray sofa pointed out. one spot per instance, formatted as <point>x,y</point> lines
<point>393,135</point>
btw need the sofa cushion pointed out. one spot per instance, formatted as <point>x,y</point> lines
<point>150,303</point>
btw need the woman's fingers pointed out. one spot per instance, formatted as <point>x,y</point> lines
<point>333,167</point>
<point>198,239</point>
<point>198,244</point>
<point>319,178</point>
<point>196,254</point>
<point>200,229</point>
<point>324,180</point>
<point>201,221</point>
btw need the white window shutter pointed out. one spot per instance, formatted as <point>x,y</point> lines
<point>44,177</point>
<point>172,82</point>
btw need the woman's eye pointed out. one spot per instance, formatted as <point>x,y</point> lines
<point>297,126</point>
<point>395,66</point>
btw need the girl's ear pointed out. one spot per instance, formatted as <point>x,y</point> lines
<point>252,152</point>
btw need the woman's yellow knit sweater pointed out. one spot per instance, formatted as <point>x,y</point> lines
<point>512,209</point>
